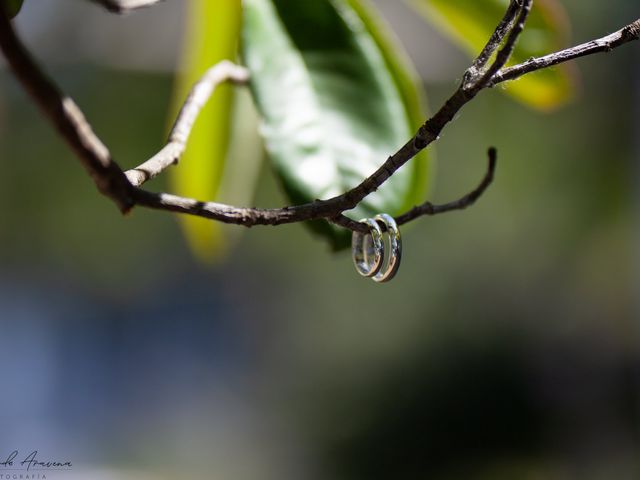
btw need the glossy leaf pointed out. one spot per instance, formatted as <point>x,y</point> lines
<point>12,7</point>
<point>212,33</point>
<point>408,83</point>
<point>470,23</point>
<point>332,102</point>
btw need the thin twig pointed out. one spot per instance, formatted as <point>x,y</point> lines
<point>126,6</point>
<point>345,222</point>
<point>504,54</point>
<point>196,100</point>
<point>467,90</point>
<point>496,39</point>
<point>469,199</point>
<point>605,44</point>
<point>253,216</point>
<point>428,208</point>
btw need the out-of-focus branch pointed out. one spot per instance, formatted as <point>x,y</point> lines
<point>197,98</point>
<point>67,118</point>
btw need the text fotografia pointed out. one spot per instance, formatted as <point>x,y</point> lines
<point>30,463</point>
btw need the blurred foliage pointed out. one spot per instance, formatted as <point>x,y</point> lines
<point>469,23</point>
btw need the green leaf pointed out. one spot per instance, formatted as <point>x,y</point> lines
<point>470,23</point>
<point>212,34</point>
<point>408,83</point>
<point>12,7</point>
<point>336,99</point>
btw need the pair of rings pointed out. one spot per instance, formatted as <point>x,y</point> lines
<point>368,249</point>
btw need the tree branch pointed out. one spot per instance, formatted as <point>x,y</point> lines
<point>66,117</point>
<point>502,57</point>
<point>251,216</point>
<point>197,98</point>
<point>605,44</point>
<point>428,208</point>
<point>469,199</point>
<point>123,190</point>
<point>503,28</point>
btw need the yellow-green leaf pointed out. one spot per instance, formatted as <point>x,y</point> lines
<point>212,33</point>
<point>470,23</point>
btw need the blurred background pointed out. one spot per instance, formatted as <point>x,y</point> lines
<point>507,348</point>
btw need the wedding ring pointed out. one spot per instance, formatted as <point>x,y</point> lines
<point>395,248</point>
<point>367,249</point>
